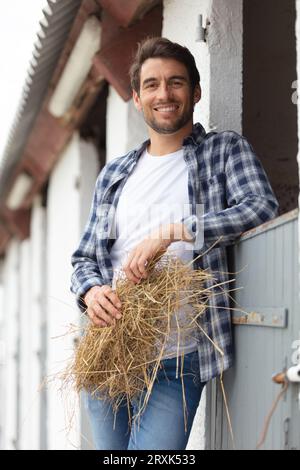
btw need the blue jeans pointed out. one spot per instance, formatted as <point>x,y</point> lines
<point>161,425</point>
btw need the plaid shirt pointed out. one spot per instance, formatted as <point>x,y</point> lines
<point>225,176</point>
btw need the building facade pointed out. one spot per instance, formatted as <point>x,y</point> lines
<point>77,114</point>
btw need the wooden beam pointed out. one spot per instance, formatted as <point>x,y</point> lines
<point>45,144</point>
<point>17,222</point>
<point>5,236</point>
<point>87,8</point>
<point>43,149</point>
<point>126,12</point>
<point>84,101</point>
<point>115,57</point>
<point>38,180</point>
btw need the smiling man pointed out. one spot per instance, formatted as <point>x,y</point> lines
<point>147,202</point>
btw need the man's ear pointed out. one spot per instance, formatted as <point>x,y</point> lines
<point>197,94</point>
<point>136,100</point>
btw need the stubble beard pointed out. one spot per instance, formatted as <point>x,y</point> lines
<point>172,127</point>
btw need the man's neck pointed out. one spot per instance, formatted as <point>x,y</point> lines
<point>163,144</point>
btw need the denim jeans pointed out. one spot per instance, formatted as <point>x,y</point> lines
<point>161,426</point>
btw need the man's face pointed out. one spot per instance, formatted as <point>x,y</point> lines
<point>166,98</point>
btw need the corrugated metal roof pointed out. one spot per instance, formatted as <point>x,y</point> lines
<point>55,27</point>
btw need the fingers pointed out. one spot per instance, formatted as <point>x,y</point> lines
<point>109,308</point>
<point>111,303</point>
<point>96,320</point>
<point>128,268</point>
<point>135,267</point>
<point>105,308</point>
<point>99,316</point>
<point>116,303</point>
<point>141,266</point>
<point>132,271</point>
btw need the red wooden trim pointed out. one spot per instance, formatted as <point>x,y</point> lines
<point>115,57</point>
<point>18,222</point>
<point>126,12</point>
<point>5,236</point>
<point>45,144</point>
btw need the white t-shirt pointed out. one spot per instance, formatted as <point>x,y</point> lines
<point>155,194</point>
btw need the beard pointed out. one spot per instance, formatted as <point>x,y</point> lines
<point>171,127</point>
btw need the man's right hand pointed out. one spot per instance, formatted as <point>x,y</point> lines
<point>103,306</point>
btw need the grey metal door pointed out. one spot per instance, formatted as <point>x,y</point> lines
<point>265,341</point>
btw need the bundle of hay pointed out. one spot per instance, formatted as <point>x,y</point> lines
<point>119,362</point>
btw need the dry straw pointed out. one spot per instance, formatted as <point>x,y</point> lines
<point>120,363</point>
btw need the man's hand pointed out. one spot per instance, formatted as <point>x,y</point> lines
<point>157,242</point>
<point>103,306</point>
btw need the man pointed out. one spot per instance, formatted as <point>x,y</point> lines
<point>179,166</point>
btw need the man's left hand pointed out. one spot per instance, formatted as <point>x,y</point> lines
<point>157,243</point>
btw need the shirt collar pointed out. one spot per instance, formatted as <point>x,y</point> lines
<point>195,138</point>
<point>139,150</point>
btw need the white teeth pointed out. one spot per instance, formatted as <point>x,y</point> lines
<point>166,108</point>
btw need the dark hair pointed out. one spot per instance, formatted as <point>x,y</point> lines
<point>163,48</point>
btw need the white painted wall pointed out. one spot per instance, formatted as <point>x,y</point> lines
<point>116,125</point>
<point>9,335</point>
<point>89,169</point>
<point>20,320</point>
<point>38,318</point>
<point>219,61</point>
<point>26,401</point>
<point>69,198</point>
<point>32,311</point>
<point>62,231</point>
<point>180,21</point>
<point>125,126</point>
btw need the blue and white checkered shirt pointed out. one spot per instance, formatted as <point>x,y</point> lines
<point>224,175</point>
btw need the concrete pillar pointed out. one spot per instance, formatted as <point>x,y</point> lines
<point>219,60</point>
<point>185,14</point>
<point>225,44</point>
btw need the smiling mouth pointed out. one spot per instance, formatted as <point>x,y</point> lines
<point>167,108</point>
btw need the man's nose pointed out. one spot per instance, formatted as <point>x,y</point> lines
<point>163,91</point>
